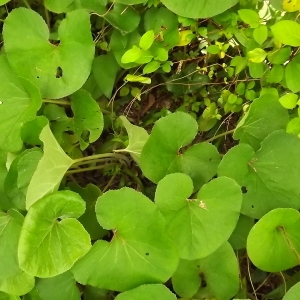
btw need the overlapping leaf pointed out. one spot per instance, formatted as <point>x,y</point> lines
<point>162,155</point>
<point>198,226</point>
<point>58,70</point>
<point>51,239</point>
<point>269,177</point>
<point>140,252</point>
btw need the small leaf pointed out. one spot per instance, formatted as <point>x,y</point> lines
<point>239,62</point>
<point>147,40</point>
<point>289,101</point>
<point>137,78</point>
<point>137,138</point>
<point>147,292</point>
<point>151,67</point>
<point>51,238</point>
<point>186,37</point>
<point>50,170</point>
<point>260,34</point>
<point>131,55</point>
<point>161,54</point>
<point>249,16</point>
<point>279,56</point>
<point>292,68</point>
<point>257,55</point>
<point>287,32</point>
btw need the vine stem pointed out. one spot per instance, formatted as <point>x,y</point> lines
<point>63,102</point>
<point>26,4</point>
<point>98,156</point>
<point>91,168</point>
<point>220,135</point>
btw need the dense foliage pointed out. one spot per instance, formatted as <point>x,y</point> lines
<point>149,149</point>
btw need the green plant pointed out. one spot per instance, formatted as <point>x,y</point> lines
<point>149,149</point>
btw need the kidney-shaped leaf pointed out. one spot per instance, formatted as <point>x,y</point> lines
<point>148,292</point>
<point>265,115</point>
<point>50,170</point>
<point>12,279</point>
<point>19,102</point>
<point>58,70</point>
<point>162,155</point>
<point>198,226</point>
<point>273,244</point>
<point>140,252</point>
<point>198,8</point>
<point>51,239</point>
<point>270,177</point>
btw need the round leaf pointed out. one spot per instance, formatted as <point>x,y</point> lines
<point>58,70</point>
<point>257,55</point>
<point>51,238</point>
<point>162,155</point>
<point>289,101</point>
<point>287,32</point>
<point>147,292</point>
<point>140,251</point>
<point>198,226</point>
<point>273,243</point>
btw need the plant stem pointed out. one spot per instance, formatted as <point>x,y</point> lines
<point>63,102</point>
<point>91,168</point>
<point>26,4</point>
<point>220,135</point>
<point>94,161</point>
<point>97,156</point>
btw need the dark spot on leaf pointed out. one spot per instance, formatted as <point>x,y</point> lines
<point>244,189</point>
<point>210,159</point>
<point>38,77</point>
<point>59,72</point>
<point>147,253</point>
<point>252,206</point>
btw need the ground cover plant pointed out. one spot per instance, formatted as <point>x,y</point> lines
<point>149,149</point>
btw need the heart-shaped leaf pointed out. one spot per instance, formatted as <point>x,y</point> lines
<point>263,174</point>
<point>140,251</point>
<point>19,102</point>
<point>162,155</point>
<point>273,243</point>
<point>198,226</point>
<point>50,170</point>
<point>58,70</point>
<point>12,279</point>
<point>51,239</point>
<point>147,292</point>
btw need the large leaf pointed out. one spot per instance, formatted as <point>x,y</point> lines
<point>269,177</point>
<point>50,170</point>
<point>147,292</point>
<point>198,8</point>
<point>292,68</point>
<point>12,279</point>
<point>87,118</point>
<point>287,32</point>
<point>58,70</point>
<point>162,155</point>
<point>265,115</point>
<point>19,102</point>
<point>293,293</point>
<point>59,6</point>
<point>140,252</point>
<point>198,226</point>
<point>273,243</point>
<point>220,271</point>
<point>51,239</point>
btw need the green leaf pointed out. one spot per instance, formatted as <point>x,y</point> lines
<point>249,16</point>
<point>105,69</point>
<point>213,49</point>
<point>2,2</point>
<point>292,81</point>
<point>162,155</point>
<point>260,34</point>
<point>151,67</point>
<point>62,287</point>
<point>198,226</point>
<point>198,8</point>
<point>161,54</point>
<point>131,55</point>
<point>279,56</point>
<point>264,116</point>
<point>293,126</point>
<point>140,251</point>
<point>87,118</point>
<point>137,136</point>
<point>239,62</point>
<point>147,292</point>
<point>293,292</point>
<point>50,170</point>
<point>51,239</point>
<point>220,270</point>
<point>289,101</point>
<point>19,102</point>
<point>137,78</point>
<point>89,194</point>
<point>58,70</point>
<point>257,55</point>
<point>275,75</point>
<point>273,243</point>
<point>19,176</point>
<point>256,70</point>
<point>12,279</point>
<point>263,174</point>
<point>5,204</point>
<point>147,40</point>
<point>287,32</point>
